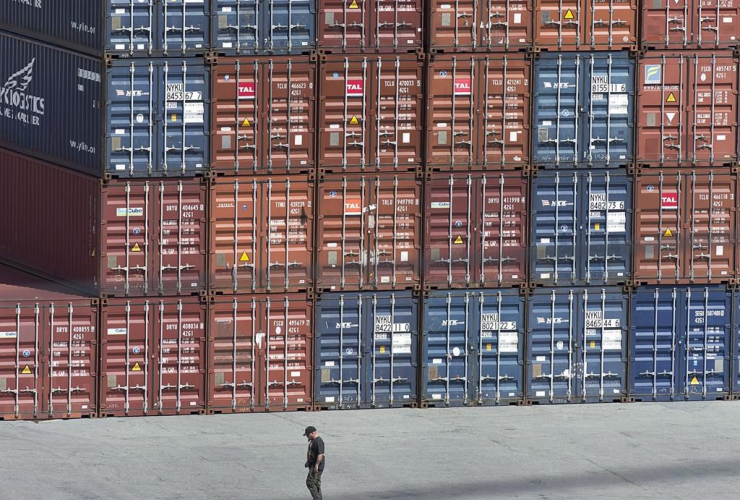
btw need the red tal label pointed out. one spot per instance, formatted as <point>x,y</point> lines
<point>462,86</point>
<point>355,88</point>
<point>353,206</point>
<point>669,201</point>
<point>246,90</point>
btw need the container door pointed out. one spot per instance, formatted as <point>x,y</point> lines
<point>448,352</point>
<point>736,346</point>
<point>559,24</point>
<point>289,25</point>
<point>552,358</point>
<point>236,28</point>
<point>185,26</point>
<point>131,27</point>
<point>612,24</point>
<point>21,346</point>
<point>340,369</point>
<point>498,343</point>
<point>342,24</point>
<point>654,336</point>
<point>453,25</point>
<point>716,24</point>
<point>397,24</point>
<point>505,24</point>
<point>666,23</point>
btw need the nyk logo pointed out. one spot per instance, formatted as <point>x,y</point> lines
<point>669,201</point>
<point>246,91</point>
<point>355,88</point>
<point>30,3</point>
<point>462,86</point>
<point>21,105</point>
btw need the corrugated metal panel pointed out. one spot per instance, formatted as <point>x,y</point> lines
<point>688,109</point>
<point>682,24</point>
<point>583,109</point>
<point>366,350</point>
<point>581,228</point>
<point>473,348</point>
<point>680,343</point>
<point>576,345</point>
<point>260,353</point>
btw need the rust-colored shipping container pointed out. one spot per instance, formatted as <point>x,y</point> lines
<point>366,26</point>
<point>371,113</point>
<point>368,233</point>
<point>261,234</point>
<point>687,107</point>
<point>153,359</point>
<point>48,350</point>
<point>260,353</point>
<point>685,227</point>
<point>480,26</point>
<point>476,230</point>
<point>585,24</point>
<point>685,24</point>
<point>478,112</point>
<point>263,114</point>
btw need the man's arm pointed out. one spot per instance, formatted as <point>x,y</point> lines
<point>319,455</point>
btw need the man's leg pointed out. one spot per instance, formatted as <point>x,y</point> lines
<point>313,482</point>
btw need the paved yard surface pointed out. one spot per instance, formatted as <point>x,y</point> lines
<point>633,451</point>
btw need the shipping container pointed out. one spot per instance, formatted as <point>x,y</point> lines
<point>479,26</point>
<point>244,27</point>
<point>581,228</point>
<point>48,350</point>
<point>687,109</point>
<point>478,112</point>
<point>576,345</point>
<point>586,24</point>
<point>473,348</point>
<point>260,353</point>
<point>264,115</point>
<point>685,227</point>
<point>123,118</point>
<point>366,350</point>
<point>367,26</point>
<point>583,110</point>
<point>683,24</point>
<point>261,234</point>
<point>680,343</point>
<point>153,357</point>
<point>368,233</point>
<point>476,232</point>
<point>117,28</point>
<point>371,113</point>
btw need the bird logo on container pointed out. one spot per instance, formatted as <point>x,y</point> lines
<point>462,86</point>
<point>13,95</point>
<point>246,90</point>
<point>652,74</point>
<point>355,88</point>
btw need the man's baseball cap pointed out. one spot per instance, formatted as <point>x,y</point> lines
<point>309,430</point>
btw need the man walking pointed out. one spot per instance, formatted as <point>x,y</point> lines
<point>315,462</point>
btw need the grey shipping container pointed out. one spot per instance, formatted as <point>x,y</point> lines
<point>128,118</point>
<point>581,228</point>
<point>116,27</point>
<point>583,109</point>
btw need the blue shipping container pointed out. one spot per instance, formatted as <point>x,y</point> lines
<point>473,348</point>
<point>366,350</point>
<point>129,118</point>
<point>680,343</point>
<point>583,109</point>
<point>575,345</point>
<point>253,26</point>
<point>581,228</point>
<point>123,28</point>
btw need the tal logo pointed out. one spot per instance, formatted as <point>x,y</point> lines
<point>19,104</point>
<point>669,201</point>
<point>355,88</point>
<point>462,86</point>
<point>246,90</point>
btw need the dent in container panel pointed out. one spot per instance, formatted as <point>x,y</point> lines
<point>260,353</point>
<point>478,112</point>
<point>473,348</point>
<point>576,345</point>
<point>476,230</point>
<point>680,343</point>
<point>685,227</point>
<point>366,350</point>
<point>261,234</point>
<point>153,359</point>
<point>263,115</point>
<point>370,114</point>
<point>683,24</point>
<point>687,109</point>
<point>369,233</point>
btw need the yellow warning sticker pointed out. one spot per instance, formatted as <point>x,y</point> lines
<point>136,248</point>
<point>671,98</point>
<point>694,381</point>
<point>244,257</point>
<point>173,118</point>
<point>593,344</point>
<point>597,226</point>
<point>459,240</point>
<point>668,232</point>
<point>354,5</point>
<point>489,347</point>
<point>136,367</point>
<point>246,123</point>
<point>354,121</point>
<point>26,370</point>
<point>382,349</point>
<point>569,14</point>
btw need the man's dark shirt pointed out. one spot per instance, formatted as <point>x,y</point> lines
<point>316,448</point>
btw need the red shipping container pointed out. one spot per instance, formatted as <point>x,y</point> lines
<point>683,24</point>
<point>260,353</point>
<point>153,359</point>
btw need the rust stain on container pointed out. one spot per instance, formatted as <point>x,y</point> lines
<point>357,26</point>
<point>687,109</point>
<point>370,117</point>
<point>585,24</point>
<point>369,232</point>
<point>476,230</point>
<point>478,112</point>
<point>685,227</point>
<point>260,353</point>
<point>263,114</point>
<point>153,358</point>
<point>472,26</point>
<point>261,234</point>
<point>682,24</point>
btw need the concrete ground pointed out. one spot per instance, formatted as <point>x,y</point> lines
<point>608,451</point>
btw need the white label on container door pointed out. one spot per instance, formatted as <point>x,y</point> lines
<point>120,131</point>
<point>406,137</point>
<point>117,331</point>
<point>295,374</point>
<point>299,140</point>
<point>437,361</point>
<point>226,9</point>
<point>541,358</point>
<point>726,19</point>
<point>618,104</point>
<point>436,396</point>
<point>131,212</point>
<point>8,335</point>
<point>383,324</point>
<point>597,201</point>
<point>545,241</point>
<point>401,343</point>
<point>225,129</point>
<point>329,399</point>
<point>546,123</point>
<point>194,112</point>
<point>517,18</point>
<point>612,340</point>
<point>442,125</point>
<point>720,250</point>
<point>512,136</point>
<point>120,46</point>
<point>329,363</point>
<point>540,394</point>
<point>404,256</point>
<point>175,93</point>
<point>508,342</point>
<point>490,322</point>
<point>600,85</point>
<point>226,45</point>
<point>721,137</point>
<point>595,319</point>
<point>616,222</point>
<point>441,204</point>
<point>334,125</point>
<point>120,11</point>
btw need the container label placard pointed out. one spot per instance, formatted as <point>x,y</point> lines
<point>508,342</point>
<point>490,322</point>
<point>8,335</point>
<point>117,331</point>
<point>353,206</point>
<point>462,86</point>
<point>441,204</point>
<point>401,343</point>
<point>595,319</point>
<point>355,88</point>
<point>616,222</point>
<point>600,85</point>
<point>176,92</point>
<point>246,90</point>
<point>383,324</point>
<point>669,201</point>
<point>598,201</point>
<point>618,104</point>
<point>129,212</point>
